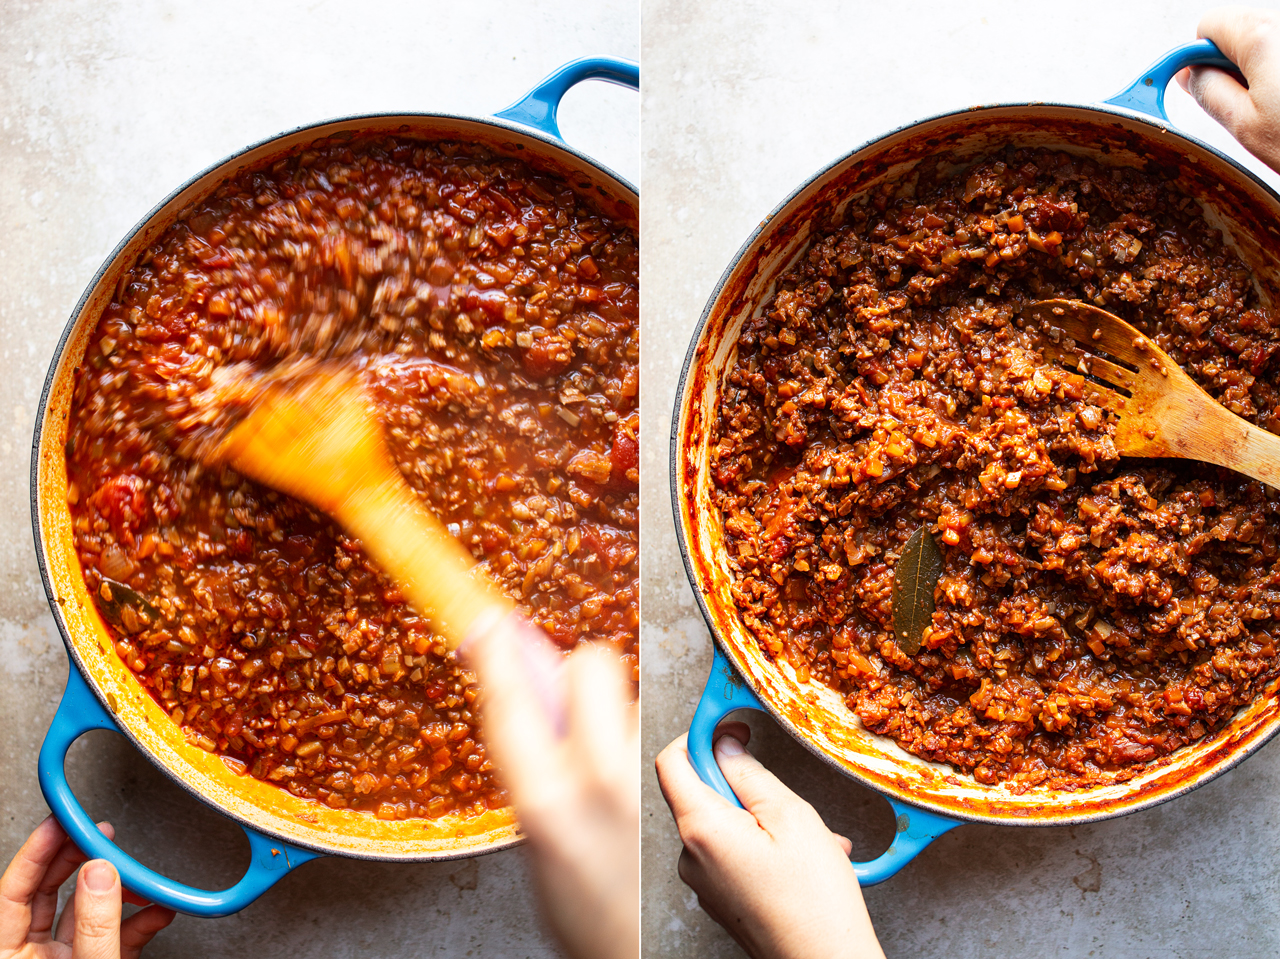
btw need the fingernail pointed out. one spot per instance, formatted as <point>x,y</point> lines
<point>99,876</point>
<point>729,746</point>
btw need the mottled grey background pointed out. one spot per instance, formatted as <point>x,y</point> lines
<point>743,100</point>
<point>104,108</point>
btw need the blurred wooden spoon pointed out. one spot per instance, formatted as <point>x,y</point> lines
<point>316,439</point>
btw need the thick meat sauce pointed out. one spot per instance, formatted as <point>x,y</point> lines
<point>492,313</point>
<point>1094,613</point>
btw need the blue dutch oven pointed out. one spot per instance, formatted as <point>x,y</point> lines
<point>284,831</point>
<point>928,799</point>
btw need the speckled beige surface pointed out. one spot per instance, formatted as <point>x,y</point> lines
<point>104,108</point>
<point>742,102</point>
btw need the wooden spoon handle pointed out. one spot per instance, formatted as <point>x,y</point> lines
<point>1224,439</point>
<point>317,440</point>
<point>1189,423</point>
<point>415,549</point>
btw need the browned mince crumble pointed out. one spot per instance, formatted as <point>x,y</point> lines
<point>1094,613</point>
<point>492,312</point>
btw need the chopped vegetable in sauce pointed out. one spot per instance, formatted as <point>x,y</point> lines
<point>1094,613</point>
<point>492,312</point>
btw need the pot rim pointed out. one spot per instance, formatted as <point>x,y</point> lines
<point>678,507</point>
<point>73,653</point>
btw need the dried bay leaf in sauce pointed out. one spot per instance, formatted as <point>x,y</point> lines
<point>914,579</point>
<point>121,606</point>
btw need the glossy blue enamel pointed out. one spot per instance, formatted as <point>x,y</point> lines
<point>538,107</point>
<point>1146,94</point>
<point>914,829</point>
<point>725,691</point>
<point>80,712</point>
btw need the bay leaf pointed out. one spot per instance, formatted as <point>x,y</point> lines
<point>114,598</point>
<point>914,579</point>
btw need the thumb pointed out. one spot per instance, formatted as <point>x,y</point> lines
<point>1222,97</point>
<point>761,792</point>
<point>97,932</point>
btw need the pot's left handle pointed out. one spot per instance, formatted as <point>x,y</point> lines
<point>80,712</point>
<point>726,692</point>
<point>1146,94</point>
<point>538,107</point>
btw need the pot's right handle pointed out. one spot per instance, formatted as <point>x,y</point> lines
<point>538,107</point>
<point>1146,94</point>
<point>80,712</point>
<point>726,692</point>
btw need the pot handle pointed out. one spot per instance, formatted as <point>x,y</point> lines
<point>724,693</point>
<point>1146,94</point>
<point>80,712</point>
<point>538,107</point>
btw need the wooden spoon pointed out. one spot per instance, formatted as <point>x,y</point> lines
<point>316,439</point>
<point>1161,411</point>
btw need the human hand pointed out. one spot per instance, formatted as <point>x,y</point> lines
<point>578,797</point>
<point>772,874</point>
<point>1250,39</point>
<point>90,927</point>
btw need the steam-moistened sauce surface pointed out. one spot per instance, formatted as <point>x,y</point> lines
<point>1093,613</point>
<point>493,313</point>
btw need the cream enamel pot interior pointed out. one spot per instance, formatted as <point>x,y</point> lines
<point>928,799</point>
<point>102,693</point>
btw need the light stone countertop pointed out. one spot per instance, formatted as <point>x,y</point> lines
<point>743,101</point>
<point>104,108</point>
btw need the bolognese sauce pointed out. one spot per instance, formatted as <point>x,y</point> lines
<point>491,311</point>
<point>1093,613</point>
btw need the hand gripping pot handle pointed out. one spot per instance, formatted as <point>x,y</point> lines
<point>538,107</point>
<point>80,712</point>
<point>726,692</point>
<point>1146,94</point>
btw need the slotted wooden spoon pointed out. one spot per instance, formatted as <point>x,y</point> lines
<point>1160,410</point>
<point>316,439</point>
